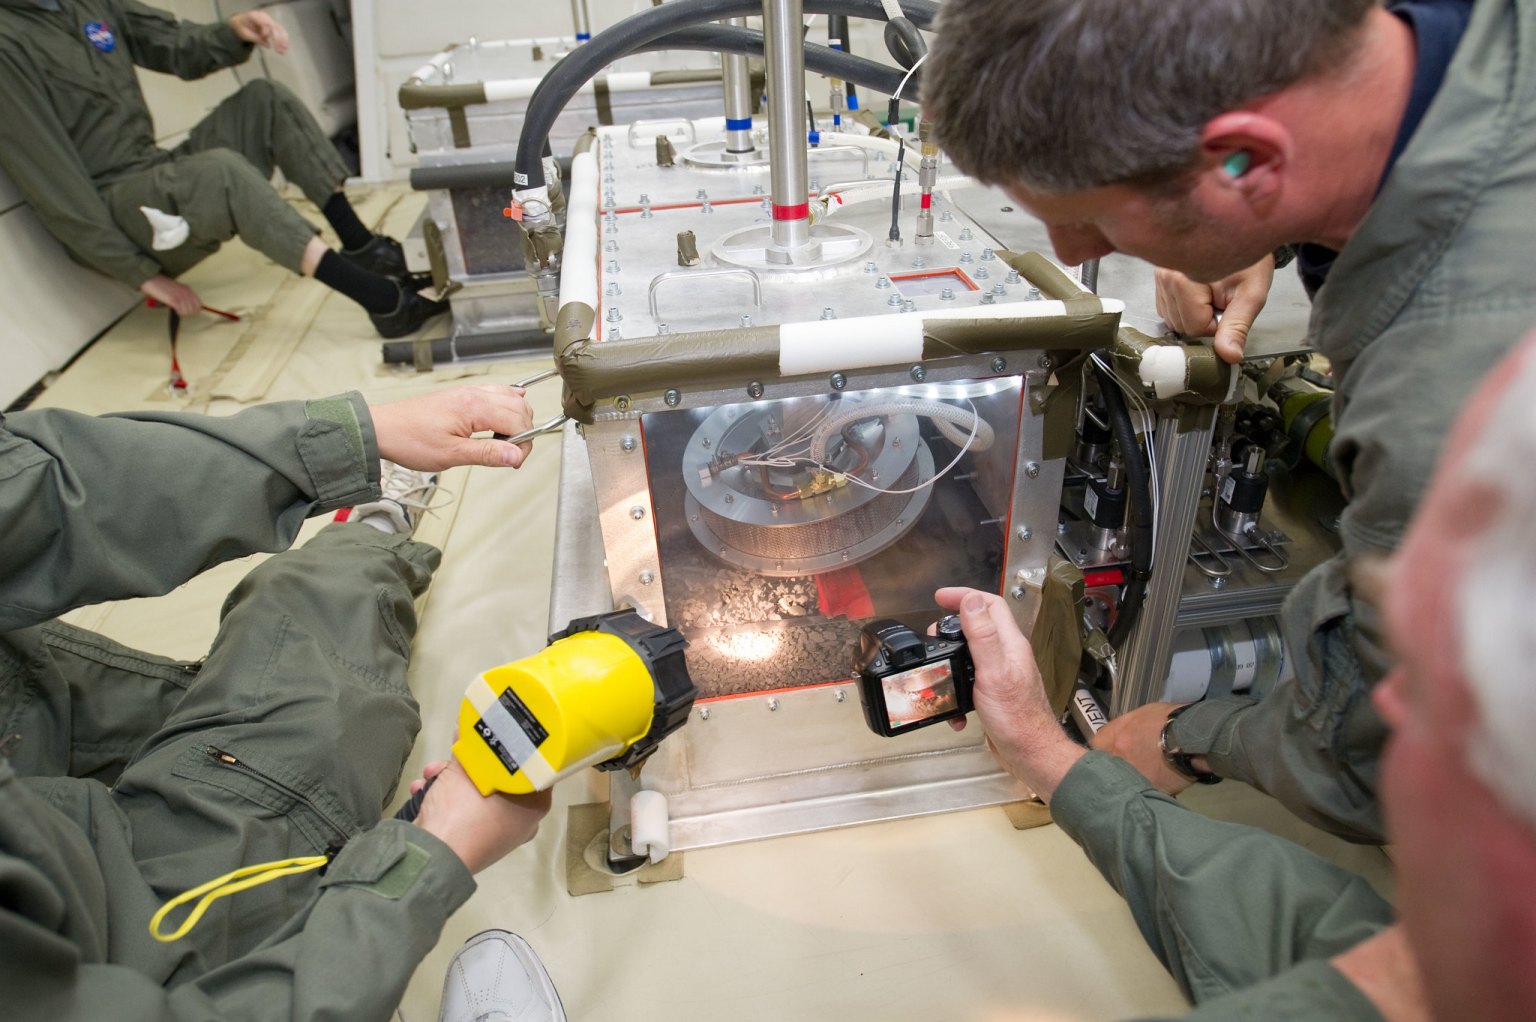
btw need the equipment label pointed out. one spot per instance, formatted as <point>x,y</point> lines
<point>518,713</point>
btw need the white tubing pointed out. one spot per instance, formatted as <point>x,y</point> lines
<point>821,346</point>
<point>648,831</point>
<point>947,418</point>
<point>578,263</point>
<point>510,88</point>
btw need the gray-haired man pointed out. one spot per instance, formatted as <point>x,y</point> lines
<point>1202,136</point>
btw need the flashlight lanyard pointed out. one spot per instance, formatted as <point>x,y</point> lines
<point>242,879</point>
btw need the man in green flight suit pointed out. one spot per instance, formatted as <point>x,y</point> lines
<point>78,141</point>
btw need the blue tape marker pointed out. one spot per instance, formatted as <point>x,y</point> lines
<point>582,37</point>
<point>738,124</point>
<point>853,102</point>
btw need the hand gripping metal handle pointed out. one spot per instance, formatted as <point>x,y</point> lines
<point>552,426</point>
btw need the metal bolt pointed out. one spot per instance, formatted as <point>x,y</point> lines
<point>705,442</point>
<point>827,313</point>
<point>637,512</point>
<point>918,262</point>
<point>662,329</point>
<point>773,704</point>
<point>946,216</point>
<point>671,397</point>
<point>1032,469</point>
<point>612,228</point>
<point>757,189</point>
<point>1017,592</point>
<point>947,295</point>
<point>883,281</point>
<point>987,255</point>
<point>703,713</point>
<point>918,374</point>
<point>702,194</point>
<point>646,578</point>
<point>610,246</point>
<point>1046,362</point>
<point>1024,533</point>
<point>988,299</point>
<point>610,199</point>
<point>815,185</point>
<point>614,315</point>
<point>627,444</point>
<point>612,290</point>
<point>706,208</point>
<point>645,200</point>
<point>1217,583</point>
<point>746,320</point>
<point>765,204</point>
<point>838,381</point>
<point>613,333</point>
<point>755,390</point>
<point>965,257</point>
<point>1061,528</point>
<point>621,402</point>
<point>1033,295</point>
<point>870,267</point>
<point>612,267</point>
<point>896,442</point>
<point>999,363</point>
<point>607,178</point>
<point>1013,277</point>
<point>646,214</point>
<point>981,273</point>
<point>730,498</point>
<point>999,290</point>
<point>965,235</point>
<point>894,300</point>
<point>840,695</point>
<point>909,306</point>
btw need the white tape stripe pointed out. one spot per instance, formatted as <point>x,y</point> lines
<point>825,345</point>
<point>532,762</point>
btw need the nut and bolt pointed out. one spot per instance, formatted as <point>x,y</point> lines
<point>610,246</point>
<point>870,267</point>
<point>706,208</point>
<point>627,444</point>
<point>965,257</point>
<point>1017,592</point>
<point>612,267</point>
<point>947,295</point>
<point>999,363</point>
<point>918,374</point>
<point>662,329</point>
<point>987,255</point>
<point>1024,533</point>
<point>838,381</point>
<point>1013,276</point>
<point>646,578</point>
<point>637,512</point>
<point>702,195</point>
<point>918,262</point>
<point>981,273</point>
<point>909,306</point>
<point>755,389</point>
<point>988,299</point>
<point>965,235</point>
<point>827,313</point>
<point>1046,362</point>
<point>671,397</point>
<point>614,315</point>
<point>612,291</point>
<point>773,705</point>
<point>894,301</point>
<point>883,281</point>
<point>621,402</point>
<point>746,320</point>
<point>645,200</point>
<point>946,216</point>
<point>1032,469</point>
<point>999,290</point>
<point>703,713</point>
<point>730,498</point>
<point>840,695</point>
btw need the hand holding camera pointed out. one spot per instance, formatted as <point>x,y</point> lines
<point>907,680</point>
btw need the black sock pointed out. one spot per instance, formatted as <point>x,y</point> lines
<point>375,293</point>
<point>341,216</point>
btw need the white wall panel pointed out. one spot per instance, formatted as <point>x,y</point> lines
<point>52,306</point>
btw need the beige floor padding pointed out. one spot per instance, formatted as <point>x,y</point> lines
<point>950,917</point>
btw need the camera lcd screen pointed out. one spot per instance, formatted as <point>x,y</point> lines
<point>916,696</point>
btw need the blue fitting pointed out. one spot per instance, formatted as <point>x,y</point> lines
<point>853,102</point>
<point>582,37</point>
<point>814,138</point>
<point>738,124</point>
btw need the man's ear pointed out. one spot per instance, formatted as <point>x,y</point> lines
<point>1250,150</point>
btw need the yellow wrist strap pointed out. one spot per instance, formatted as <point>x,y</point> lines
<point>230,883</point>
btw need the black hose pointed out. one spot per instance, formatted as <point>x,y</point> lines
<point>819,59</point>
<point>1138,483</point>
<point>904,42</point>
<point>567,77</point>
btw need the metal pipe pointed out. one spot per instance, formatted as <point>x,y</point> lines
<point>783,29</point>
<point>583,22</point>
<point>1089,275</point>
<point>738,98</point>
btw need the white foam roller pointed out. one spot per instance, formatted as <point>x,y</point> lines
<point>649,833</point>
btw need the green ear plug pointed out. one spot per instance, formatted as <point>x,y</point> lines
<point>1236,165</point>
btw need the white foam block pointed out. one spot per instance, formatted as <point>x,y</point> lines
<point>825,345</point>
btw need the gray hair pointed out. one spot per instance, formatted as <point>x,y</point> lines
<point>1064,95</point>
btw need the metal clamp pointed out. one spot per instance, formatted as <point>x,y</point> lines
<point>722,271</point>
<point>648,129</point>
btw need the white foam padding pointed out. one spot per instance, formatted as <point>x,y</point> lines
<point>827,345</point>
<point>1163,369</point>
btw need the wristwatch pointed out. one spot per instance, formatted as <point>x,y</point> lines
<point>1181,761</point>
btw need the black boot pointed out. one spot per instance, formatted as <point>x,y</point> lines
<point>408,316</point>
<point>382,255</point>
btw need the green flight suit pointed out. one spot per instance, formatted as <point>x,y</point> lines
<point>1244,921</point>
<point>1430,292</point>
<point>78,141</point>
<point>127,778</point>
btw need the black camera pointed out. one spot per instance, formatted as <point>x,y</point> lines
<point>908,680</point>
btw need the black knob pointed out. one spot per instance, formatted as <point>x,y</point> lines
<point>949,628</point>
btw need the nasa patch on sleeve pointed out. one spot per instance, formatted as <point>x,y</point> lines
<point>101,36</point>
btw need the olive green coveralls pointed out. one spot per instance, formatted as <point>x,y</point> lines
<point>78,141</point>
<point>127,778</point>
<point>1431,291</point>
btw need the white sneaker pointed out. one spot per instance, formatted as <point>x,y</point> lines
<point>405,496</point>
<point>497,977</point>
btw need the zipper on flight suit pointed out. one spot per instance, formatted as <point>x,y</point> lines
<point>226,759</point>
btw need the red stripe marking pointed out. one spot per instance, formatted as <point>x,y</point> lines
<point>800,212</point>
<point>927,201</point>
